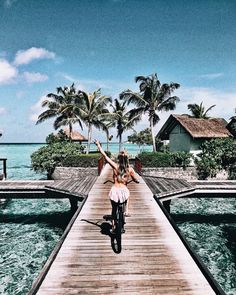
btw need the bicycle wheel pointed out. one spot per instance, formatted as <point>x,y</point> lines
<point>117,238</point>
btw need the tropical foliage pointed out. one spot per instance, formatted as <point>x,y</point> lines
<point>123,119</point>
<point>92,108</point>
<point>165,159</point>
<point>48,157</point>
<point>216,155</point>
<point>59,137</point>
<point>64,106</point>
<point>199,111</point>
<point>152,98</point>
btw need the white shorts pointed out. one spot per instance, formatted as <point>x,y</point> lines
<point>119,194</point>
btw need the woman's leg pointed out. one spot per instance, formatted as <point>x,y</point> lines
<point>113,213</point>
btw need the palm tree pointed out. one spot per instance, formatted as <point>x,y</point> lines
<point>94,105</point>
<point>123,119</point>
<point>198,111</point>
<point>106,125</point>
<point>65,106</point>
<point>152,98</point>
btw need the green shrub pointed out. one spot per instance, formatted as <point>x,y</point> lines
<point>217,154</point>
<point>48,157</point>
<point>181,159</point>
<point>165,159</point>
<point>83,160</point>
<point>155,159</point>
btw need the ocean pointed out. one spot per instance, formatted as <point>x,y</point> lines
<point>30,229</point>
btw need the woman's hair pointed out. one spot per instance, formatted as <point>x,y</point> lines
<point>123,162</point>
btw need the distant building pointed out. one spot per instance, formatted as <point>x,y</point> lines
<point>75,135</point>
<point>186,133</point>
<point>232,126</point>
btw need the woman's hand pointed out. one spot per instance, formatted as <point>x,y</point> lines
<point>97,142</point>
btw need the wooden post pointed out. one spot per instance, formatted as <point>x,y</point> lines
<point>73,204</point>
<point>166,205</point>
<point>4,167</point>
<point>138,165</point>
<point>100,164</point>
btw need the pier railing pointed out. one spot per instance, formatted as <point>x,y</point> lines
<point>4,168</point>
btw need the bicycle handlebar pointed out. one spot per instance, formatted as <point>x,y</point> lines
<point>113,181</point>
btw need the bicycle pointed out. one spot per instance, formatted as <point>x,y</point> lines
<point>119,223</point>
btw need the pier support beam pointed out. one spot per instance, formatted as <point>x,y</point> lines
<point>166,205</point>
<point>73,203</point>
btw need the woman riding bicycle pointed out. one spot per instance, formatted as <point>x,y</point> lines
<point>119,192</point>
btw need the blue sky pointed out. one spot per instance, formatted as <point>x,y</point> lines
<point>106,43</point>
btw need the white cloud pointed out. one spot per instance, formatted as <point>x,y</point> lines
<point>225,101</point>
<point>34,77</point>
<point>2,111</point>
<point>7,72</point>
<point>27,56</point>
<point>37,109</point>
<point>211,76</point>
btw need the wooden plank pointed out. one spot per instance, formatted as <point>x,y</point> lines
<point>153,259</point>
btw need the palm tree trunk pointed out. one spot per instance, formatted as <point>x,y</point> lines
<point>120,142</point>
<point>70,131</point>
<point>107,134</point>
<point>153,136</point>
<point>89,138</point>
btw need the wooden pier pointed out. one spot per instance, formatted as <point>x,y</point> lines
<point>153,259</point>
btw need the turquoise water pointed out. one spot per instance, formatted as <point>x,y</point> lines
<point>29,230</point>
<point>210,228</point>
<point>19,162</point>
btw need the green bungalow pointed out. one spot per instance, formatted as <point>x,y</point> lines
<point>186,133</point>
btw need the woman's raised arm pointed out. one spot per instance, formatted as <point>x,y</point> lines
<point>109,160</point>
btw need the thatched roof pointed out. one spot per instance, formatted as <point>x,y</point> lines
<point>197,128</point>
<point>75,135</point>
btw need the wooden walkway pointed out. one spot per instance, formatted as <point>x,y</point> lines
<point>153,258</point>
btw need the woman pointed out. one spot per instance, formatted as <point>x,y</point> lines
<point>121,172</point>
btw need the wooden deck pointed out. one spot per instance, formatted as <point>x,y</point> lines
<point>78,187</point>
<point>168,188</point>
<point>153,258</point>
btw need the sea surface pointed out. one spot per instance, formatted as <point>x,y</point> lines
<point>30,229</point>
<point>19,161</point>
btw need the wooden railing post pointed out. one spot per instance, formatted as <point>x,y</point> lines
<point>100,164</point>
<point>138,165</point>
<point>4,167</point>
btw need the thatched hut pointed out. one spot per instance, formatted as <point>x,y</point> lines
<point>186,133</point>
<point>75,135</point>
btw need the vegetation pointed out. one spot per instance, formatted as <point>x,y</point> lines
<point>59,137</point>
<point>82,160</point>
<point>216,155</point>
<point>165,159</point>
<point>152,98</point>
<point>48,157</point>
<point>91,110</point>
<point>65,105</point>
<point>198,111</point>
<point>123,119</point>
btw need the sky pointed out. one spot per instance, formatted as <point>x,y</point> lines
<point>106,44</point>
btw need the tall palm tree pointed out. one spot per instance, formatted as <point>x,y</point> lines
<point>65,106</point>
<point>94,105</point>
<point>123,119</point>
<point>106,125</point>
<point>198,111</point>
<point>152,98</point>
